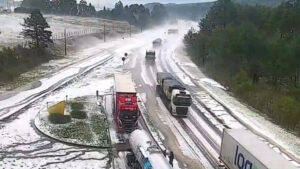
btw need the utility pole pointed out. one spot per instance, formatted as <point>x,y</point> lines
<point>104,36</point>
<point>130,29</point>
<point>65,34</point>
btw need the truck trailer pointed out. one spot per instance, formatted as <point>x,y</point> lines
<point>241,149</point>
<point>175,92</point>
<point>126,107</point>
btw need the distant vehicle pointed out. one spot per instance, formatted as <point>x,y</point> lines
<point>126,107</point>
<point>241,149</point>
<point>150,55</point>
<point>174,22</point>
<point>145,153</point>
<point>157,42</point>
<point>5,11</point>
<point>172,31</point>
<point>180,99</point>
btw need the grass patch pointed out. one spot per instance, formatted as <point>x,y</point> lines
<point>99,126</point>
<point>59,118</point>
<point>78,114</point>
<point>76,106</point>
<point>91,130</point>
<point>77,130</point>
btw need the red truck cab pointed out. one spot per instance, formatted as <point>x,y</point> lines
<point>126,104</point>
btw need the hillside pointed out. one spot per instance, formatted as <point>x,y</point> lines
<point>193,11</point>
<point>272,3</point>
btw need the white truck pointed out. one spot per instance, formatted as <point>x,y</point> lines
<point>175,92</point>
<point>241,149</point>
<point>172,31</point>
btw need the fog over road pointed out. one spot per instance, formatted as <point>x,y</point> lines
<point>195,140</point>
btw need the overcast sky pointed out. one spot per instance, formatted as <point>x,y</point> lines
<point>111,3</point>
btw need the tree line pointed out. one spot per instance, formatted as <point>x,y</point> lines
<point>60,7</point>
<point>135,14</point>
<point>19,59</point>
<point>255,51</point>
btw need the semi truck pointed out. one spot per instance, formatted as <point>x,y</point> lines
<point>157,42</point>
<point>241,149</point>
<point>145,153</point>
<point>126,105</point>
<point>150,55</point>
<point>176,94</point>
<point>172,31</point>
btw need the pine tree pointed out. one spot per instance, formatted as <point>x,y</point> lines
<point>35,28</point>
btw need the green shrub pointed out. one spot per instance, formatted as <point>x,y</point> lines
<point>286,111</point>
<point>78,114</point>
<point>295,92</point>
<point>242,84</point>
<point>56,118</point>
<point>76,106</point>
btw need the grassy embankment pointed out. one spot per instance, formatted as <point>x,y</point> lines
<point>17,60</point>
<point>255,52</point>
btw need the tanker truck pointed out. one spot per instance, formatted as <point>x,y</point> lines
<point>145,153</point>
<point>176,94</point>
<point>241,149</point>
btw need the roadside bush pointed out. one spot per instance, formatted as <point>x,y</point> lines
<point>242,84</point>
<point>76,106</point>
<point>17,60</point>
<point>56,118</point>
<point>295,92</point>
<point>286,111</point>
<point>78,114</point>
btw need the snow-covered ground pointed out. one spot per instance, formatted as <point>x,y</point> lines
<point>11,26</point>
<point>212,95</point>
<point>24,144</point>
<point>243,116</point>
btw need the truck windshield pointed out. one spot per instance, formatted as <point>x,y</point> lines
<point>128,114</point>
<point>182,101</point>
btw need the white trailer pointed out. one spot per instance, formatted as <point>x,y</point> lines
<point>241,149</point>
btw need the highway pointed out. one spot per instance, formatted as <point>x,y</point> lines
<point>195,140</point>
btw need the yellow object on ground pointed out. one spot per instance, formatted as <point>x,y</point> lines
<point>58,108</point>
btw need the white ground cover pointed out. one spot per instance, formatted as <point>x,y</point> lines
<point>11,26</point>
<point>20,131</point>
<point>240,111</point>
<point>90,137</point>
